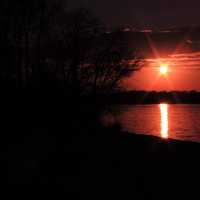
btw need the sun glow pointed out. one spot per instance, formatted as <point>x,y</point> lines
<point>164,69</point>
<point>164,120</point>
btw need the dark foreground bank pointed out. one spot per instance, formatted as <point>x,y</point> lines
<point>51,153</point>
<point>120,165</point>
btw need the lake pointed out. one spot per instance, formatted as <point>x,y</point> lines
<point>177,121</point>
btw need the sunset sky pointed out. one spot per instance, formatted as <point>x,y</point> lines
<point>184,68</point>
<point>143,12</point>
<point>183,74</point>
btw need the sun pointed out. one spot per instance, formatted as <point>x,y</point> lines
<point>164,69</point>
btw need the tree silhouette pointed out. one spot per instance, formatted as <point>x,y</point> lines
<point>96,61</point>
<point>44,45</point>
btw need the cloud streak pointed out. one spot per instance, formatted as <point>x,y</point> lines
<point>183,60</point>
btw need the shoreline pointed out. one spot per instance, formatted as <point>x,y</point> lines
<point>167,140</point>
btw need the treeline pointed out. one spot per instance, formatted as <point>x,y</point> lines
<point>42,45</point>
<point>152,97</point>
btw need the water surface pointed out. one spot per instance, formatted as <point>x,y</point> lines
<point>177,121</point>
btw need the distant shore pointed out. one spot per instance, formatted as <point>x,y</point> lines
<point>151,97</point>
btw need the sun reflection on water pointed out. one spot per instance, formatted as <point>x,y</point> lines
<point>164,120</point>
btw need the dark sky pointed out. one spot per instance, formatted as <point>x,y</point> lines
<point>162,13</point>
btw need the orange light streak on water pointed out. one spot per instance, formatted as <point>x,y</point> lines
<point>164,120</point>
